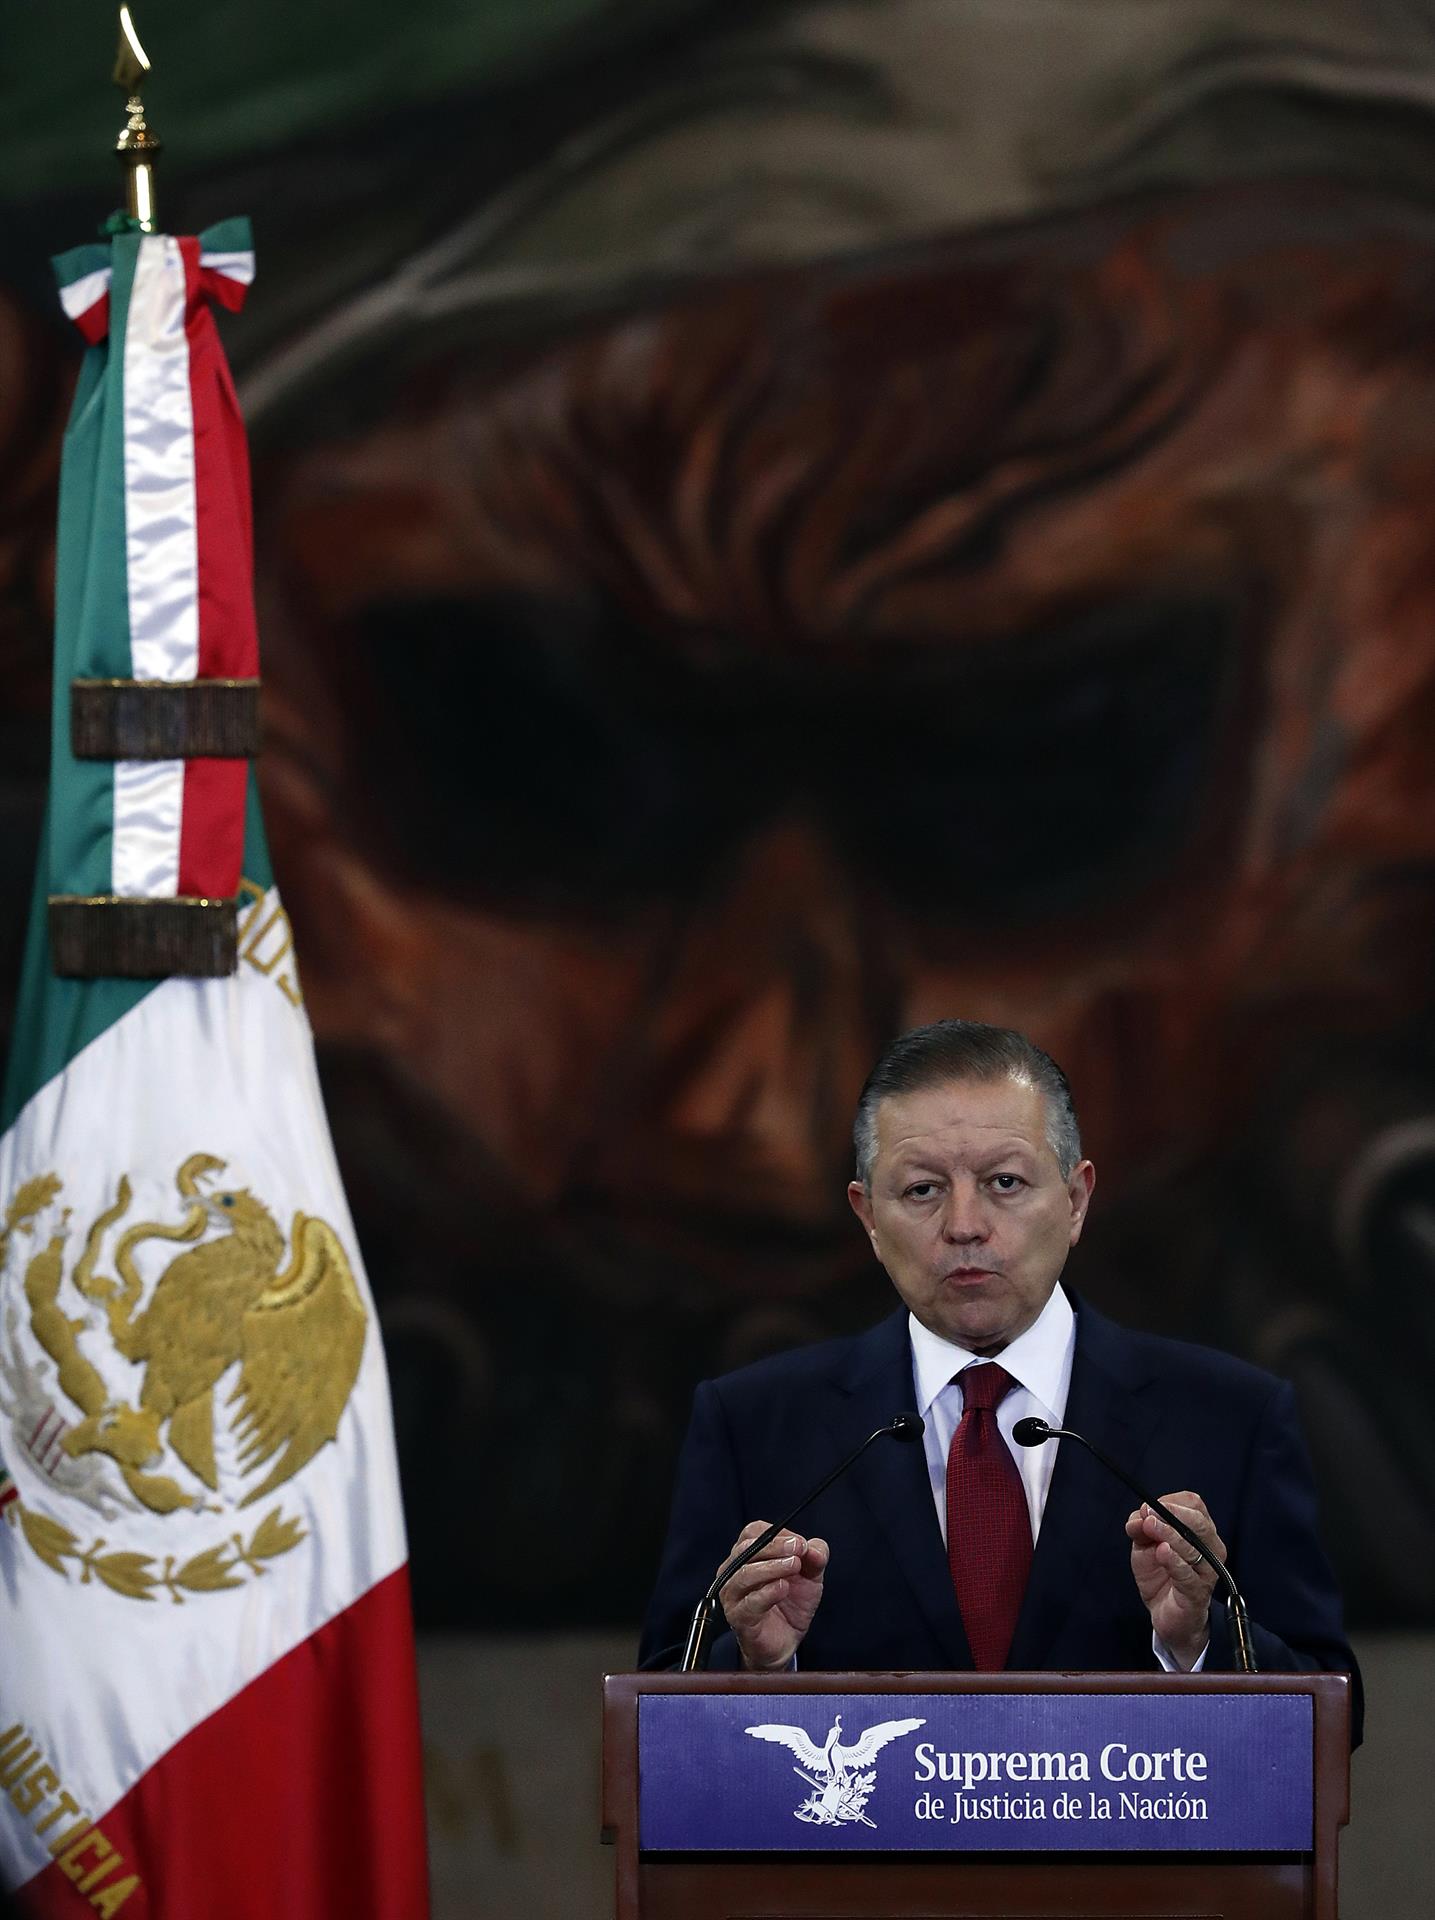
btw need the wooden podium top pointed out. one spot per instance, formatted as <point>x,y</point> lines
<point>974,1821</point>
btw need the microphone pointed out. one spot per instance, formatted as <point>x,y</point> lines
<point>1033,1432</point>
<point>903,1426</point>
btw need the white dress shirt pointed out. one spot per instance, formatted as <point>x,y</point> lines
<point>1039,1361</point>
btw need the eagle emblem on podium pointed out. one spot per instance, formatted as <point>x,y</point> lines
<point>839,1774</point>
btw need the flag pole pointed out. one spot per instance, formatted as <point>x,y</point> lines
<point>138,145</point>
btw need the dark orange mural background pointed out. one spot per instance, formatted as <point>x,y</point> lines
<point>1041,628</point>
<point>669,702</point>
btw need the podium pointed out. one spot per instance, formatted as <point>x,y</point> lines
<point>1053,1796</point>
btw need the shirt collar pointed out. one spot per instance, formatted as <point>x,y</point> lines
<point>1039,1359</point>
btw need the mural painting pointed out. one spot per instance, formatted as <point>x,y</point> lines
<point>682,676</point>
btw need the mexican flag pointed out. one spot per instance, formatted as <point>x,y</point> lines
<point>207,1695</point>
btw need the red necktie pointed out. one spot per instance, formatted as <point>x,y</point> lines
<point>988,1526</point>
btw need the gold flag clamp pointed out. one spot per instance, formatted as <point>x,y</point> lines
<point>138,145</point>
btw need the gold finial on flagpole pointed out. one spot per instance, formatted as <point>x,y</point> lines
<point>138,145</point>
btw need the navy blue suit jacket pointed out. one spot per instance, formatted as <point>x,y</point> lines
<point>1176,1416</point>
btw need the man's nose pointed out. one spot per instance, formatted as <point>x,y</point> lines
<point>963,1215</point>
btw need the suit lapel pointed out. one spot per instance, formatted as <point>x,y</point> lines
<point>1108,1403</point>
<point>892,1480</point>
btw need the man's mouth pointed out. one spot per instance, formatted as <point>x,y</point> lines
<point>965,1276</point>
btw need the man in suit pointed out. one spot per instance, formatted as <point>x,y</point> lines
<point>971,1551</point>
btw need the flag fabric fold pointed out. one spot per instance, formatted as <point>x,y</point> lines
<point>154,582</point>
<point>207,1691</point>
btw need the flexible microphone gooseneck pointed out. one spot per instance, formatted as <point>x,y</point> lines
<point>904,1426</point>
<point>1033,1432</point>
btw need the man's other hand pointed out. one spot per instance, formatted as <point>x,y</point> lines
<point>1172,1579</point>
<point>770,1602</point>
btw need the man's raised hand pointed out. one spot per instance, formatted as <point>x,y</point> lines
<point>1172,1579</point>
<point>770,1602</point>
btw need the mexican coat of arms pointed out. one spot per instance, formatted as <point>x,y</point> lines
<point>118,1406</point>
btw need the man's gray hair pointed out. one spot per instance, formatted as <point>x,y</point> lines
<point>951,1050</point>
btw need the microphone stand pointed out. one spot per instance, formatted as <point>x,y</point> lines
<point>906,1426</point>
<point>1032,1432</point>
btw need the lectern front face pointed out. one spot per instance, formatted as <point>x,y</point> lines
<point>856,1797</point>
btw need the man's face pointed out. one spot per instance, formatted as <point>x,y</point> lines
<point>968,1210</point>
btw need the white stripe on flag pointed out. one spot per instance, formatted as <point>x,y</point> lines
<point>148,802</point>
<point>81,294</point>
<point>161,553</point>
<point>234,266</point>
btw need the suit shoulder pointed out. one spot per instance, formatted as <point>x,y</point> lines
<point>1203,1368</point>
<point>788,1373</point>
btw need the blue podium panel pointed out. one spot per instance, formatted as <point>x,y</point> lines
<point>1020,1772</point>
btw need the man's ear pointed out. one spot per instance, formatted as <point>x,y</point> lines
<point>1079,1189</point>
<point>860,1202</point>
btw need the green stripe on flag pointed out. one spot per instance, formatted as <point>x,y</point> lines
<point>92,618</point>
<point>257,864</point>
<point>234,235</point>
<point>55,1019</point>
<point>93,257</point>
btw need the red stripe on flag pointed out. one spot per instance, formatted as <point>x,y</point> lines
<point>223,287</point>
<point>94,322</point>
<point>211,828</point>
<point>211,838</point>
<point>302,1799</point>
